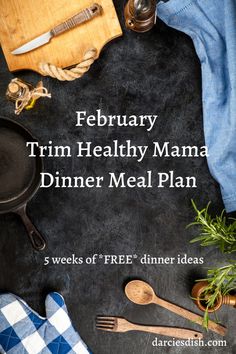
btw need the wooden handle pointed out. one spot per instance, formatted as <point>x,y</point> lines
<point>169,331</point>
<point>190,316</point>
<point>83,16</point>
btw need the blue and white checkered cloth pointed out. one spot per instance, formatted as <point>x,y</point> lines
<point>23,331</point>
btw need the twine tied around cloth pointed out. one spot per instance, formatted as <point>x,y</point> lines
<point>28,100</point>
<point>70,74</point>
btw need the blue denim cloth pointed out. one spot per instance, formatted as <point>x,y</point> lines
<point>212,26</point>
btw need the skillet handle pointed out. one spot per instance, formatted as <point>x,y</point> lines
<point>37,240</point>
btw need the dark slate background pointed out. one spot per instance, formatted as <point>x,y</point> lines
<point>156,73</point>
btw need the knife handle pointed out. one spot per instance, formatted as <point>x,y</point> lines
<point>83,16</point>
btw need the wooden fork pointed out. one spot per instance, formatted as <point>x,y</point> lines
<point>118,324</point>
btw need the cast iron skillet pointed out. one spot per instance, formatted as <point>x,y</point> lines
<point>20,175</point>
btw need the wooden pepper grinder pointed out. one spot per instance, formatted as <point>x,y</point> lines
<point>200,300</point>
<point>140,15</point>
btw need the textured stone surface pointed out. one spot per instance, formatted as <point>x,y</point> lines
<point>157,72</point>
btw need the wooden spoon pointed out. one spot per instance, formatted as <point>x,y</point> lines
<point>142,293</point>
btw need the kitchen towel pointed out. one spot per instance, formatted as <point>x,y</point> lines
<point>23,331</point>
<point>212,26</point>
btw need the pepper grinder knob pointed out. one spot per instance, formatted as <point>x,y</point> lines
<point>140,15</point>
<point>229,300</point>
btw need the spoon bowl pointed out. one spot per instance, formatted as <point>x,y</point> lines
<point>139,292</point>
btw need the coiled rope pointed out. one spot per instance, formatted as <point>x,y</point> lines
<point>70,74</point>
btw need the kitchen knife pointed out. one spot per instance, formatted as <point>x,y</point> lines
<point>83,16</point>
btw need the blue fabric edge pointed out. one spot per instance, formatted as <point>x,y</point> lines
<point>165,10</point>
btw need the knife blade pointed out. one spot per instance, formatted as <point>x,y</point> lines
<point>81,17</point>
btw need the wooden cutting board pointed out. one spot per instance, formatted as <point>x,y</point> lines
<point>23,20</point>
